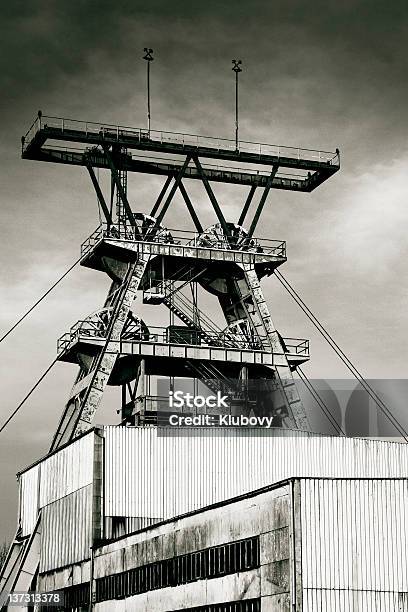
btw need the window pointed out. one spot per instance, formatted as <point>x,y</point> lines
<point>248,605</point>
<point>201,565</point>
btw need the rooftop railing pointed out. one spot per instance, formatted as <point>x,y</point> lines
<point>110,132</point>
<point>183,238</point>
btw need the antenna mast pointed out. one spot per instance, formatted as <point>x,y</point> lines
<point>237,69</point>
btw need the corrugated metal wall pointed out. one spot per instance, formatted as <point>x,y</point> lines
<point>29,486</point>
<point>347,601</point>
<point>354,538</point>
<point>148,475</point>
<point>61,485</point>
<point>55,477</point>
<point>66,530</point>
<point>67,471</point>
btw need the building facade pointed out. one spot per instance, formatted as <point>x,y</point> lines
<point>196,523</point>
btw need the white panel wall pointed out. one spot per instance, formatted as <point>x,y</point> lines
<point>29,500</point>
<point>352,601</point>
<point>148,475</point>
<point>54,478</point>
<point>354,537</point>
<point>67,471</point>
<point>66,530</point>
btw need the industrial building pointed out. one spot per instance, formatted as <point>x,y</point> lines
<point>212,533</point>
<point>139,515</point>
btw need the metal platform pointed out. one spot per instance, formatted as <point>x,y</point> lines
<point>299,169</point>
<point>209,346</point>
<point>117,240</point>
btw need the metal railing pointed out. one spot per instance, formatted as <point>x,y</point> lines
<point>119,132</point>
<point>183,238</point>
<point>297,346</point>
<point>85,329</point>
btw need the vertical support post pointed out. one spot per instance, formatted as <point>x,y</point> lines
<point>124,400</point>
<point>142,374</point>
<point>148,56</point>
<point>140,392</point>
<point>148,97</point>
<point>237,69</point>
<point>120,190</point>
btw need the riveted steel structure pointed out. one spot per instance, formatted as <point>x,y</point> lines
<point>146,259</point>
<point>141,255</point>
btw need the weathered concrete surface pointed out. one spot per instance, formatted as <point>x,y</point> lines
<point>266,515</point>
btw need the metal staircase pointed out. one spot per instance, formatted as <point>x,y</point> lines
<point>215,380</point>
<point>180,305</point>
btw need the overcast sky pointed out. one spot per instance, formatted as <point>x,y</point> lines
<point>319,74</point>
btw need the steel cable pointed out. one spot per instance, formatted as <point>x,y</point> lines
<point>28,395</point>
<point>39,300</point>
<point>350,366</point>
<point>319,400</point>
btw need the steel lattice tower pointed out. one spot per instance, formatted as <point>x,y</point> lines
<point>142,257</point>
<point>149,263</point>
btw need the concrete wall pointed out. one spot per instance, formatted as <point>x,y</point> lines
<point>267,515</point>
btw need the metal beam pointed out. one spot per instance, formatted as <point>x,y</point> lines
<point>211,195</point>
<point>247,205</point>
<point>99,193</point>
<point>190,207</point>
<point>161,196</point>
<point>173,190</point>
<point>262,201</point>
<point>234,177</point>
<point>120,190</point>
